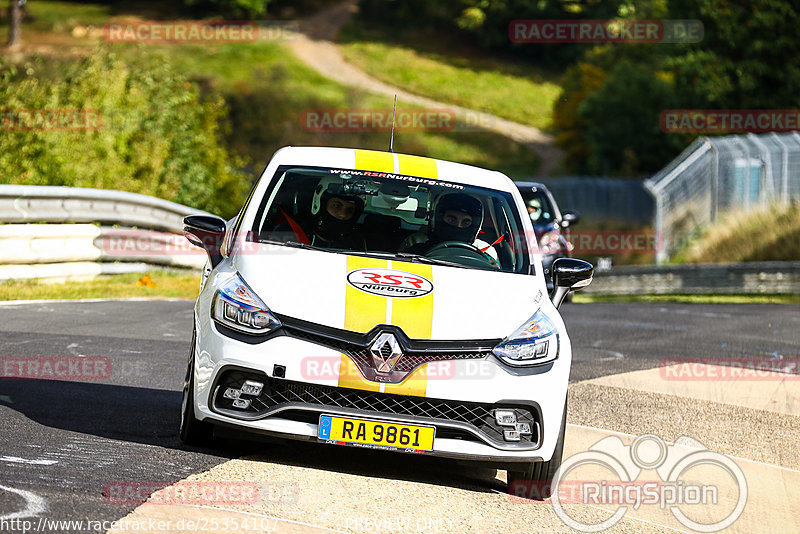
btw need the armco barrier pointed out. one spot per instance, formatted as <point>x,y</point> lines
<point>55,204</point>
<point>779,278</point>
<point>79,242</point>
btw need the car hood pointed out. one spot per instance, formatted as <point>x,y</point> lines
<point>358,293</point>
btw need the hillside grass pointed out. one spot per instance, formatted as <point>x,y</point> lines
<point>428,65</point>
<point>265,87</point>
<point>767,234</point>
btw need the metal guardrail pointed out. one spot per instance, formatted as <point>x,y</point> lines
<point>56,204</point>
<point>67,249</point>
<point>777,278</point>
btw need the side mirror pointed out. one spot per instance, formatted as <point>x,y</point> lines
<point>569,275</point>
<point>206,232</point>
<point>570,218</point>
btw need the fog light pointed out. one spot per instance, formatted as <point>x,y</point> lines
<point>505,417</point>
<point>241,403</point>
<point>523,428</point>
<point>510,435</point>
<point>251,387</point>
<point>231,393</point>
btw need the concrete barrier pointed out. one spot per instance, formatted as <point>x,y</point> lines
<point>758,278</point>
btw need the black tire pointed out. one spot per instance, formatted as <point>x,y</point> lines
<point>534,480</point>
<point>193,431</point>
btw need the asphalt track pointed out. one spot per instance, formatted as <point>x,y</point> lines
<point>64,443</point>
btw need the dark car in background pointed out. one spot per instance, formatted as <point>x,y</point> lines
<point>550,224</point>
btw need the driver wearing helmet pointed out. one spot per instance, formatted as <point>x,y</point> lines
<point>458,217</point>
<point>335,214</point>
<point>534,206</point>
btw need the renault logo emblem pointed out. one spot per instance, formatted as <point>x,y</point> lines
<point>385,353</point>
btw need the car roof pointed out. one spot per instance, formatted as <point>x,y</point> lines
<point>373,160</point>
<point>530,185</point>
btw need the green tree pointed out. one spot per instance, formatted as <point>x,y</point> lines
<point>623,132</point>
<point>155,134</point>
<point>232,8</point>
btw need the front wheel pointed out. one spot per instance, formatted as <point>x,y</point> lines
<point>193,431</point>
<point>534,480</point>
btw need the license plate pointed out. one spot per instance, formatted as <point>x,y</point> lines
<point>366,433</point>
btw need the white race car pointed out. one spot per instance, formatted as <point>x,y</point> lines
<point>386,301</point>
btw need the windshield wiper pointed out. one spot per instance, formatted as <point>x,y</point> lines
<point>419,258</point>
<point>298,244</point>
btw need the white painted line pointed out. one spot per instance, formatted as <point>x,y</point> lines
<point>34,505</point>
<point>15,460</point>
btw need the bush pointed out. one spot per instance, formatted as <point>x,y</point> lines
<point>156,134</point>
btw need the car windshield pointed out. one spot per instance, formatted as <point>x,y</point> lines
<point>539,209</point>
<point>384,214</point>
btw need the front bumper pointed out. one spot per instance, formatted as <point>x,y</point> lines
<point>460,405</point>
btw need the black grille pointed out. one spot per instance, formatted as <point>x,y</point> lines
<point>386,350</point>
<point>281,392</point>
<point>411,359</point>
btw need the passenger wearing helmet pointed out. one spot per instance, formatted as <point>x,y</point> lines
<point>335,214</point>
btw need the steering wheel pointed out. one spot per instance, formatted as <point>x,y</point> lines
<point>460,252</point>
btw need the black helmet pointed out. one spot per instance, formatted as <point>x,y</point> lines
<point>326,225</point>
<point>462,203</point>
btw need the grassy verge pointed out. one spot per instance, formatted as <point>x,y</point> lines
<point>768,234</point>
<point>510,90</point>
<point>691,299</point>
<point>168,284</point>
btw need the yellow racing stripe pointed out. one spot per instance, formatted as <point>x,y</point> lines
<point>415,317</point>
<point>362,312</point>
<point>417,166</point>
<point>371,160</point>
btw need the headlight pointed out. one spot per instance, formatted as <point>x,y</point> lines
<point>238,307</point>
<point>535,343</point>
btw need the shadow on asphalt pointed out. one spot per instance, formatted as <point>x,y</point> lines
<point>152,417</point>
